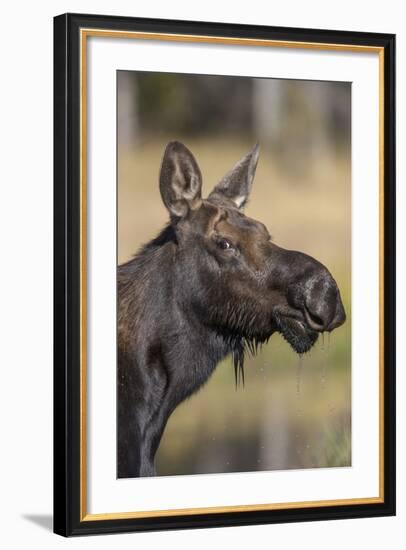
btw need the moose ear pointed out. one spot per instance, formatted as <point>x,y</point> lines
<point>236,184</point>
<point>180,180</point>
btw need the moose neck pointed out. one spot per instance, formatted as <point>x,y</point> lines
<point>149,286</point>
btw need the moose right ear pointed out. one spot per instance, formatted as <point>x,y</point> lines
<point>180,180</point>
<point>236,184</point>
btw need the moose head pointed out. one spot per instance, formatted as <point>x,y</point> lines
<point>232,274</point>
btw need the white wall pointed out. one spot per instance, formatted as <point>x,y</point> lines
<point>26,270</point>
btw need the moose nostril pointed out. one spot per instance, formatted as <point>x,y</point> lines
<point>339,317</point>
<point>314,320</point>
<point>319,301</point>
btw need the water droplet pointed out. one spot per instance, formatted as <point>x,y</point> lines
<point>299,374</point>
<point>325,360</point>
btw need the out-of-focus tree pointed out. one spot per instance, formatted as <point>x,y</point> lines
<point>301,121</point>
<point>127,108</point>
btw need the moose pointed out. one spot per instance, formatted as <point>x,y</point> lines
<point>211,284</point>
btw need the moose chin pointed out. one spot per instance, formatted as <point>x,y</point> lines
<point>212,284</point>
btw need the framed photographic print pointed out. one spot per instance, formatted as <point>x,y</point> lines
<point>224,274</point>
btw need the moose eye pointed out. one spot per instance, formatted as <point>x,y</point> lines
<point>224,244</point>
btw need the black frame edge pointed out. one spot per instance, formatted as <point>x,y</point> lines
<point>213,28</point>
<point>67,277</point>
<point>61,436</point>
<point>390,273</point>
<point>232,519</point>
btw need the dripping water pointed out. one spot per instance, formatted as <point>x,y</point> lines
<point>299,371</point>
<point>324,360</point>
<point>325,363</point>
<point>330,407</point>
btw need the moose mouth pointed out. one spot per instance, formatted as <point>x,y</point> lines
<point>296,332</point>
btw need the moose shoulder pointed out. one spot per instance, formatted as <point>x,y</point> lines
<point>211,284</point>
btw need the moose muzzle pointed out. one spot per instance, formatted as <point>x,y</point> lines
<point>311,302</point>
<point>315,293</point>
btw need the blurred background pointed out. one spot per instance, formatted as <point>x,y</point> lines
<point>294,412</point>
